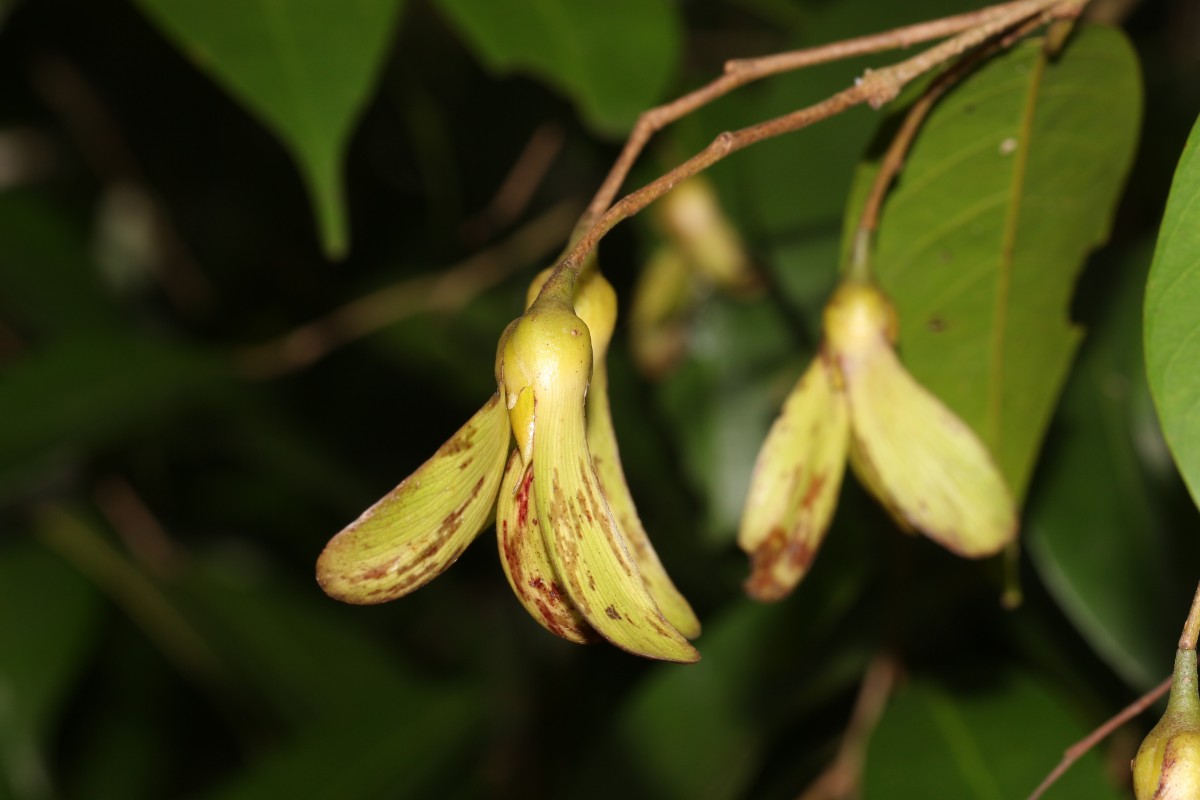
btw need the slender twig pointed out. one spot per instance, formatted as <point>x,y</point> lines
<point>875,87</point>
<point>129,516</point>
<point>146,604</point>
<point>1187,641</point>
<point>446,290</point>
<point>1080,748</point>
<point>901,143</point>
<point>841,778</point>
<point>518,187</point>
<point>740,72</point>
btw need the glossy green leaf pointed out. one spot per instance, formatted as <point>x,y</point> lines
<point>305,69</point>
<point>981,240</point>
<point>614,58</point>
<point>1173,317</point>
<point>994,737</point>
<point>1094,532</point>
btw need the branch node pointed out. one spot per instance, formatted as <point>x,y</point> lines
<point>880,86</point>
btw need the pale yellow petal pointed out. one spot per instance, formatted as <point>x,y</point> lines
<point>692,216</point>
<point>419,528</point>
<point>550,351</point>
<point>795,484</point>
<point>526,562</point>
<point>596,304</point>
<point>662,299</point>
<point>923,463</point>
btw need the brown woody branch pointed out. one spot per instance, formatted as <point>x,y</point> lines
<point>875,87</point>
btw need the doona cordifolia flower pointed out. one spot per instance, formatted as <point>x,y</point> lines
<point>570,540</point>
<point>924,464</point>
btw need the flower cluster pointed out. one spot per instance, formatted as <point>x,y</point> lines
<point>924,464</point>
<point>571,543</point>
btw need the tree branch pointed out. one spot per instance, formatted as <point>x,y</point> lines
<point>740,72</point>
<point>445,291</point>
<point>1080,748</point>
<point>875,87</point>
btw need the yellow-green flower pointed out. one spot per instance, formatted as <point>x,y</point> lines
<point>570,539</point>
<point>924,464</point>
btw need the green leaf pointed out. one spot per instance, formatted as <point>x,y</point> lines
<point>80,392</point>
<point>362,723</point>
<point>980,242</point>
<point>692,731</point>
<point>791,187</point>
<point>42,655</point>
<point>614,58</point>
<point>397,752</point>
<point>994,738</point>
<point>1094,533</point>
<point>1173,317</point>
<point>305,69</point>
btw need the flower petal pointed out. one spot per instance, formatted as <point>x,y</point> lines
<point>663,298</point>
<point>795,485</point>
<point>525,560</point>
<point>596,304</point>
<point>419,528</point>
<point>692,216</point>
<point>550,351</point>
<point>923,463</point>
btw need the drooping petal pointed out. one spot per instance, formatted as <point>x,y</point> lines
<point>692,216</point>
<point>795,484</point>
<point>596,305</point>
<point>923,463</point>
<point>663,297</point>
<point>550,351</point>
<point>419,528</point>
<point>525,560</point>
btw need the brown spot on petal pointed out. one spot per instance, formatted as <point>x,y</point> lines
<point>813,492</point>
<point>458,444</point>
<point>778,548</point>
<point>523,498</point>
<point>612,613</point>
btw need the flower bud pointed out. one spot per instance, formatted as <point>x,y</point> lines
<point>1167,765</point>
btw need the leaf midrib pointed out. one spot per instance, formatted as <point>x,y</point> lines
<point>994,428</point>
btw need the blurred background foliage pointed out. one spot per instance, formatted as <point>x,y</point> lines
<point>194,397</point>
